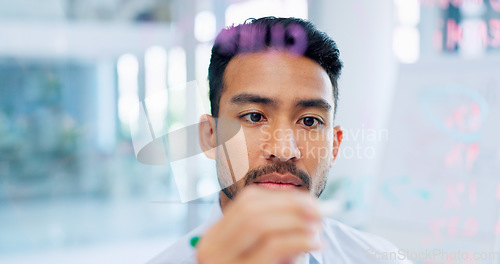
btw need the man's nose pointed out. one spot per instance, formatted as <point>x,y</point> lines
<point>282,145</point>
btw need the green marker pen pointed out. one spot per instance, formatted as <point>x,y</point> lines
<point>194,240</point>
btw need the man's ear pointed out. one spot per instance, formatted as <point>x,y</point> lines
<point>338,134</point>
<point>206,130</point>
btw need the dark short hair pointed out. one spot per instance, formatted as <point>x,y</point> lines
<point>293,34</point>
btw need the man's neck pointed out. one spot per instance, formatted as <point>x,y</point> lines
<point>224,201</point>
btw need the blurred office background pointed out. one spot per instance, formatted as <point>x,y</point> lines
<point>422,172</point>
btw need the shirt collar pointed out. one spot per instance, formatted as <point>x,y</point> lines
<point>317,255</point>
<point>216,214</point>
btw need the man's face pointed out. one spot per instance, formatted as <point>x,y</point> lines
<point>284,105</point>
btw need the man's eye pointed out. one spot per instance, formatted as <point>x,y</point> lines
<point>253,117</point>
<point>311,121</point>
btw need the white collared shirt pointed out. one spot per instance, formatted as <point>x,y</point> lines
<point>341,244</point>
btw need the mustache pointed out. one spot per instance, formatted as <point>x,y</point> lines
<point>281,168</point>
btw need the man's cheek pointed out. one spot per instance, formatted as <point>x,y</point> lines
<point>257,144</point>
<point>315,151</point>
<point>237,155</point>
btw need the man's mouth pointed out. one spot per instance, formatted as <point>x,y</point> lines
<point>275,181</point>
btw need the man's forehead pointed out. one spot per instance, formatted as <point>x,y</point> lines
<point>277,74</point>
<point>271,55</point>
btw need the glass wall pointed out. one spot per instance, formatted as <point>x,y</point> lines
<point>71,72</point>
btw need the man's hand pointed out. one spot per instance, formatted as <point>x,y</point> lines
<point>262,226</point>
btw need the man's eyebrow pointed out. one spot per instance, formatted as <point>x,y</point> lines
<point>314,103</point>
<point>245,98</point>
